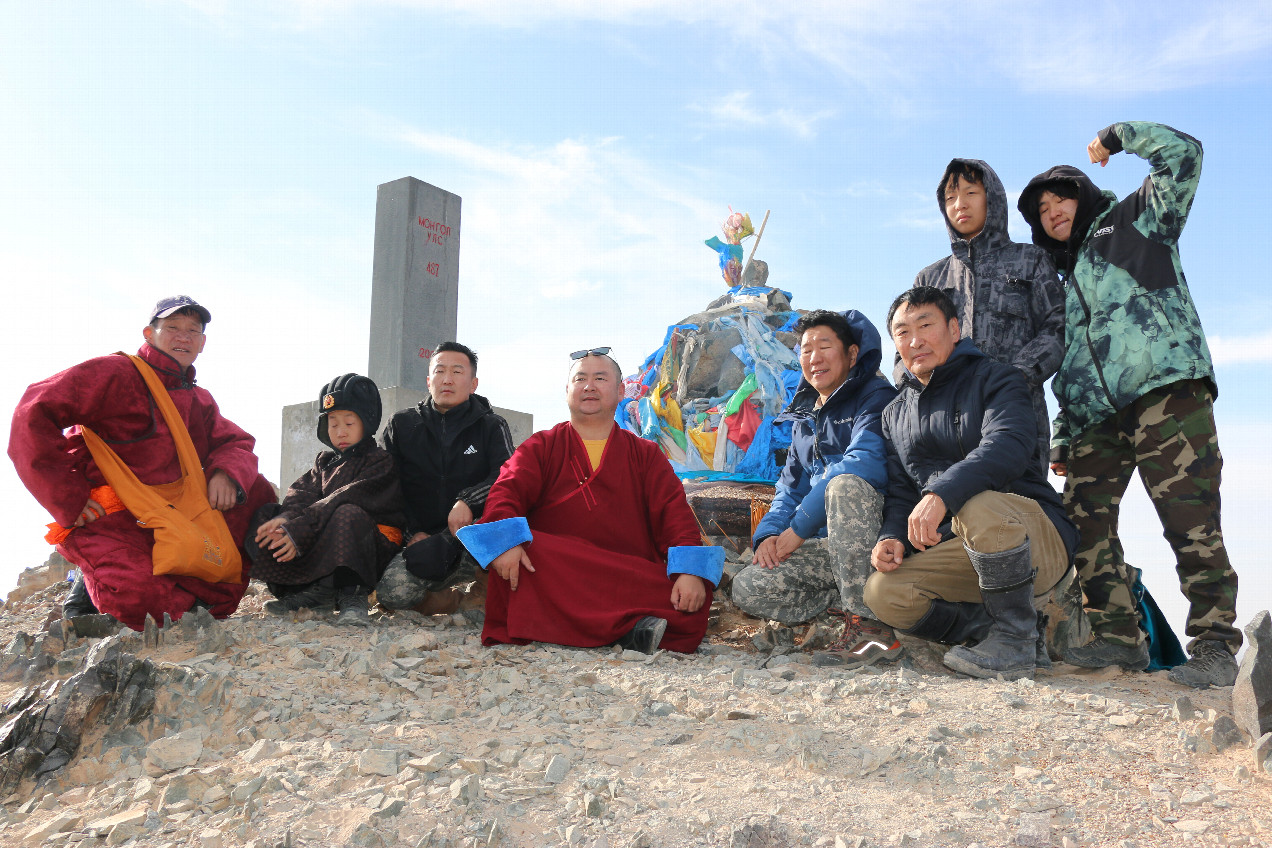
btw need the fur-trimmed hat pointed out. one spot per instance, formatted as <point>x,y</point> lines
<point>354,393</point>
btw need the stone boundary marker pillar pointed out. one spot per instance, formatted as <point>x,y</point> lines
<point>414,308</point>
<point>414,281</point>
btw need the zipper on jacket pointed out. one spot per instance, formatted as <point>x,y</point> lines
<point>1095,362</point>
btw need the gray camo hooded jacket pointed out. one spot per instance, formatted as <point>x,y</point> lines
<point>1010,301</point>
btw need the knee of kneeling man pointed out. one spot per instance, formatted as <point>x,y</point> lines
<point>888,603</point>
<point>846,485</point>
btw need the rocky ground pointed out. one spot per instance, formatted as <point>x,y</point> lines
<point>264,732</point>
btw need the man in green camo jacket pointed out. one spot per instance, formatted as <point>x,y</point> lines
<point>1136,390</point>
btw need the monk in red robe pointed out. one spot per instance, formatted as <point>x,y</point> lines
<point>590,534</point>
<point>94,530</point>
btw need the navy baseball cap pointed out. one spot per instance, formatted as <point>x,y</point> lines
<point>169,305</point>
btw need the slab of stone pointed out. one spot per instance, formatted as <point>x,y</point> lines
<point>557,769</point>
<point>169,753</point>
<point>58,824</point>
<point>378,761</point>
<point>1252,692</point>
<point>262,749</point>
<point>1263,753</point>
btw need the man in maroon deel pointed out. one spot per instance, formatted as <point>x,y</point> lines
<point>590,535</point>
<point>97,533</point>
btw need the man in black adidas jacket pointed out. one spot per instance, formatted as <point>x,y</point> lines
<point>449,450</point>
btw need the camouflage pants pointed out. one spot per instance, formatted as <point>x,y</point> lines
<point>821,573</point>
<point>1169,436</point>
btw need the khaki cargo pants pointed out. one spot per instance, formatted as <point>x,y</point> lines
<point>989,523</point>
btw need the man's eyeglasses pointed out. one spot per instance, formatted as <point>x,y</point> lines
<point>178,331</point>
<point>596,351</point>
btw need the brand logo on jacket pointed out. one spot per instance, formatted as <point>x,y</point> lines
<point>1103,231</point>
<point>471,450</point>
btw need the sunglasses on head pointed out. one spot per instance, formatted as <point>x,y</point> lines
<point>596,351</point>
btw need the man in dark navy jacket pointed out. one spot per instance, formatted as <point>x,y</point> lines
<point>812,549</point>
<point>972,532</point>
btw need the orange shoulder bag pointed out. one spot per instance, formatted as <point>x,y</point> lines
<point>191,538</point>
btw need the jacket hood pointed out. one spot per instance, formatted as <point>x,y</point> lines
<point>994,234</point>
<point>869,355</point>
<point>1091,202</point>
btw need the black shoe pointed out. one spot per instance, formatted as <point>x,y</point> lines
<point>353,607</point>
<point>78,602</point>
<point>316,597</point>
<point>1212,664</point>
<point>952,623</point>
<point>1099,653</point>
<point>646,636</point>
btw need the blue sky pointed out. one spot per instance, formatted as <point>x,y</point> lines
<point>231,151</point>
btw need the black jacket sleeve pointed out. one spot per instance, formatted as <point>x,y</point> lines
<point>498,447</point>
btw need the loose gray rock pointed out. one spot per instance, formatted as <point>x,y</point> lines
<point>169,753</point>
<point>1263,753</point>
<point>557,769</point>
<point>381,762</point>
<point>760,832</point>
<point>43,727</point>
<point>1226,734</point>
<point>1252,692</point>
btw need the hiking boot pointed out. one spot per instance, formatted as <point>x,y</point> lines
<point>864,642</point>
<point>1009,649</point>
<point>315,596</point>
<point>77,601</point>
<point>1100,653</point>
<point>646,636</point>
<point>952,623</point>
<point>353,607</point>
<point>1211,664</point>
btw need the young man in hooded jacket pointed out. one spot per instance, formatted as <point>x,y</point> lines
<point>1136,391</point>
<point>1009,300</point>
<point>812,549</point>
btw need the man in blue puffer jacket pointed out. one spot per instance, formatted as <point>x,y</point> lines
<point>812,550</point>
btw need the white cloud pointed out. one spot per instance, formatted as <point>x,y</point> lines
<point>734,110</point>
<point>1241,350</point>
<point>579,236</point>
<point>887,51</point>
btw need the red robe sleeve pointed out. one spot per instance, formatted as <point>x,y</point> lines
<point>521,481</point>
<point>51,465</point>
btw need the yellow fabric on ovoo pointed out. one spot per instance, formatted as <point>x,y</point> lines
<point>705,443</point>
